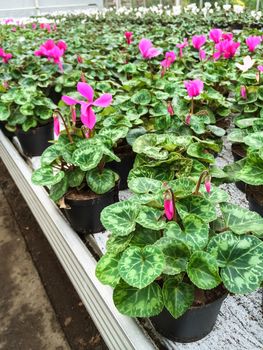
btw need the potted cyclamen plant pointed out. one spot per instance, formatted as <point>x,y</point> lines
<point>172,257</point>
<point>74,167</point>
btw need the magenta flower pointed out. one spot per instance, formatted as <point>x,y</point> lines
<point>260,68</point>
<point>215,35</point>
<point>147,50</point>
<point>170,109</point>
<point>202,55</point>
<point>252,42</point>
<point>170,57</point>
<point>188,119</point>
<point>13,29</point>
<point>243,92</point>
<point>182,46</point>
<point>227,36</point>
<point>208,185</point>
<point>54,51</point>
<point>128,36</point>
<point>34,26</point>
<point>226,48</point>
<point>168,208</point>
<point>56,126</point>
<point>87,115</point>
<point>198,41</point>
<point>194,87</point>
<point>5,56</point>
<point>79,59</point>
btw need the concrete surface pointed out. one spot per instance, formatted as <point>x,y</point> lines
<point>28,321</point>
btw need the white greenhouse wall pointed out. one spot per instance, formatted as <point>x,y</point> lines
<point>24,8</point>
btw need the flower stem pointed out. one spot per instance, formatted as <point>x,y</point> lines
<point>202,175</point>
<point>66,127</point>
<point>192,106</point>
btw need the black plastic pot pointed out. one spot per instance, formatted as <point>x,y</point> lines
<point>194,325</point>
<point>6,132</point>
<point>123,168</point>
<point>35,140</point>
<point>254,196</point>
<point>84,215</point>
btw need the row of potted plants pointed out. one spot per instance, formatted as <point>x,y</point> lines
<point>156,125</point>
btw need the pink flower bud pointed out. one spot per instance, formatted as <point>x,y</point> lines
<point>243,92</point>
<point>188,119</point>
<point>170,109</point>
<point>80,59</point>
<point>56,126</point>
<point>128,36</point>
<point>169,208</point>
<point>208,185</point>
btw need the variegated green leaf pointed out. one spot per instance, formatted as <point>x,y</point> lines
<point>241,220</point>
<point>58,190</point>
<point>197,205</point>
<point>144,236</point>
<point>50,154</point>
<point>182,187</point>
<point>117,244</point>
<point>135,302</point>
<point>202,270</point>
<point>252,170</point>
<point>241,258</point>
<point>107,269</point>
<point>141,266</point>
<point>199,151</point>
<point>115,134</point>
<point>177,297</point>
<point>75,177</point>
<point>150,145</point>
<point>101,181</point>
<point>176,255</point>
<point>216,195</point>
<point>142,97</point>
<point>120,218</point>
<point>194,235</point>
<point>45,176</point>
<point>254,140</point>
<point>151,218</point>
<point>142,185</point>
<point>88,157</point>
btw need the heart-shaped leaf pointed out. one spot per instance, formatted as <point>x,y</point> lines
<point>45,176</point>
<point>58,190</point>
<point>197,205</point>
<point>202,270</point>
<point>135,302</point>
<point>107,269</point>
<point>144,185</point>
<point>151,218</point>
<point>50,154</point>
<point>101,181</point>
<point>141,266</point>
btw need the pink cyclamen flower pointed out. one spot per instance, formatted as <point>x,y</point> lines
<point>260,68</point>
<point>79,59</point>
<point>215,35</point>
<point>170,109</point>
<point>87,115</point>
<point>5,56</point>
<point>208,185</point>
<point>147,50</point>
<point>198,41</point>
<point>56,126</point>
<point>170,57</point>
<point>202,55</point>
<point>252,42</point>
<point>128,37</point>
<point>226,48</point>
<point>188,119</point>
<point>54,51</point>
<point>194,87</point>
<point>182,46</point>
<point>5,84</point>
<point>34,26</point>
<point>13,29</point>
<point>227,36</point>
<point>168,206</point>
<point>243,92</point>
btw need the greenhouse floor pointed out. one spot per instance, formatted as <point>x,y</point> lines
<point>39,307</point>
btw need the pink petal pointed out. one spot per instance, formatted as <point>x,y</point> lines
<point>144,46</point>
<point>169,209</point>
<point>103,101</point>
<point>56,126</point>
<point>69,100</point>
<point>208,186</point>
<point>86,91</point>
<point>153,52</point>
<point>88,119</point>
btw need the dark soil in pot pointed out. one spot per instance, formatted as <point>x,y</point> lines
<point>127,156</point>
<point>85,208</point>
<point>223,123</point>
<point>53,95</point>
<point>239,152</point>
<point>255,198</point>
<point>196,323</point>
<point>35,140</point>
<point>6,132</point>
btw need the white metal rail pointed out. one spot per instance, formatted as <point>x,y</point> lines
<point>118,331</point>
